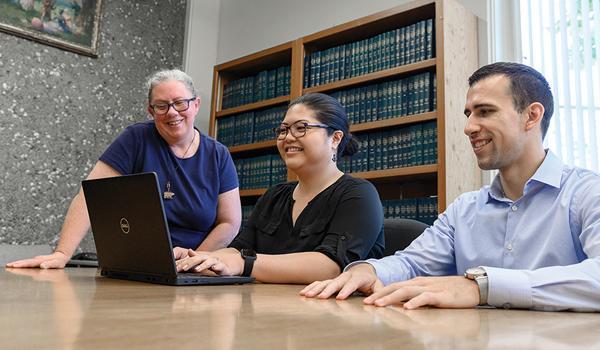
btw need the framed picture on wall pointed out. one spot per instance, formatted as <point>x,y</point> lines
<point>68,24</point>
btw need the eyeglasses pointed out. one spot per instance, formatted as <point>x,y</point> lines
<point>298,129</point>
<point>179,106</point>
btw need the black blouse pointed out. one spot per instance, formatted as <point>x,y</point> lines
<point>344,222</point>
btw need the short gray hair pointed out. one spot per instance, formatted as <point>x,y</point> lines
<point>168,75</point>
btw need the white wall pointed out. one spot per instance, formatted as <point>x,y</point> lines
<point>247,26</point>
<point>200,53</point>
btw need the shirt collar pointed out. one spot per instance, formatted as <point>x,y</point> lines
<point>548,173</point>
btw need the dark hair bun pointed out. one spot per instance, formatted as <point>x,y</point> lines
<point>351,147</point>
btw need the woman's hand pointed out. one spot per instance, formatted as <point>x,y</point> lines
<point>225,262</point>
<point>180,253</point>
<point>56,260</point>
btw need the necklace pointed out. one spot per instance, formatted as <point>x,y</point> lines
<point>168,194</point>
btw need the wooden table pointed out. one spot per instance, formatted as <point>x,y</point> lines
<point>76,309</point>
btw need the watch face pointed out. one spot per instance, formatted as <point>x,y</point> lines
<point>474,272</point>
<point>248,253</point>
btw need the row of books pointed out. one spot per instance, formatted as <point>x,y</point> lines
<point>249,127</point>
<point>421,209</point>
<point>263,86</point>
<point>411,145</point>
<point>397,47</point>
<point>412,95</point>
<point>260,172</point>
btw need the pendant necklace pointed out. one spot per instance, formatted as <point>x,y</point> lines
<point>168,194</point>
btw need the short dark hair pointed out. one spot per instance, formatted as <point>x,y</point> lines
<point>527,86</point>
<point>330,111</point>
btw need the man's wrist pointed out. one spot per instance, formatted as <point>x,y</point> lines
<point>362,266</point>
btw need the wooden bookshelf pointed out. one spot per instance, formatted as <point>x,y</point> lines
<point>454,59</point>
<point>253,106</point>
<point>386,123</point>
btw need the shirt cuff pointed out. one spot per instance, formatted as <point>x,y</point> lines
<point>508,288</point>
<point>354,263</point>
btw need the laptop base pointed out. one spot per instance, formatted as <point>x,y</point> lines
<point>184,279</point>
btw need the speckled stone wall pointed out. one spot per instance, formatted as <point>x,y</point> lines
<point>59,110</point>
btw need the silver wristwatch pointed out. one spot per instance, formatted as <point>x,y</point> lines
<point>479,275</point>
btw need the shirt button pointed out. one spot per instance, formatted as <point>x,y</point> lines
<point>514,208</point>
<point>509,247</point>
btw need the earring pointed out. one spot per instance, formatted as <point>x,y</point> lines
<point>334,158</point>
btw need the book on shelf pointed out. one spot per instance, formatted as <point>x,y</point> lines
<point>422,209</point>
<point>264,85</point>
<point>249,127</point>
<point>398,147</point>
<point>260,172</point>
<point>390,99</point>
<point>405,45</point>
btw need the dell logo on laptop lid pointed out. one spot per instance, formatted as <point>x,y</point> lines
<point>124,224</point>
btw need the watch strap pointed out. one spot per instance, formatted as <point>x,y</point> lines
<point>249,257</point>
<point>482,282</point>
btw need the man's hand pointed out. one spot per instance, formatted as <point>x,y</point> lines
<point>442,292</point>
<point>360,278</point>
<point>56,260</point>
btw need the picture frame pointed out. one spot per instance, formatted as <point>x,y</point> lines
<point>71,25</point>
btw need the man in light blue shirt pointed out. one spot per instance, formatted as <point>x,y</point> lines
<point>530,240</point>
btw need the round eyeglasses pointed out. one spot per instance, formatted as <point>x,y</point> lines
<point>179,106</point>
<point>298,129</point>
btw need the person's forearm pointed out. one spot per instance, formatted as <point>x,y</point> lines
<point>75,227</point>
<point>218,238</point>
<point>297,268</point>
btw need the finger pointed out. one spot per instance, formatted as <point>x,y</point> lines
<point>52,264</point>
<point>334,286</point>
<point>189,262</point>
<point>208,263</point>
<point>316,286</point>
<point>33,262</point>
<point>217,268</point>
<point>422,299</point>
<point>397,296</point>
<point>208,273</point>
<point>347,289</point>
<point>378,285</point>
<point>383,291</point>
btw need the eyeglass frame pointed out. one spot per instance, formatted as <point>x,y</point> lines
<point>172,104</point>
<point>278,130</point>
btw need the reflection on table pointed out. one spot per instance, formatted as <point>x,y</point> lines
<point>75,308</point>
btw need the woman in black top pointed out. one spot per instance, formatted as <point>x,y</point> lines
<point>311,229</point>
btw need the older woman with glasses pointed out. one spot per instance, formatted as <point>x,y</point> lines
<point>312,228</point>
<point>196,173</point>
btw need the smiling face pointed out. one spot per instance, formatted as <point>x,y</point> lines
<point>311,152</point>
<point>497,131</point>
<point>175,127</point>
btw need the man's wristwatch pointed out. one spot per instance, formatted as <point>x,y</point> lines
<point>479,275</point>
<point>249,256</point>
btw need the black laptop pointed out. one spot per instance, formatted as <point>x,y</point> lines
<point>131,232</point>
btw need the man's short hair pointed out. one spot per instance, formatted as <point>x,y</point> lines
<point>526,86</point>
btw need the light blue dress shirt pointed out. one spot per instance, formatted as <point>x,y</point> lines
<point>541,251</point>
